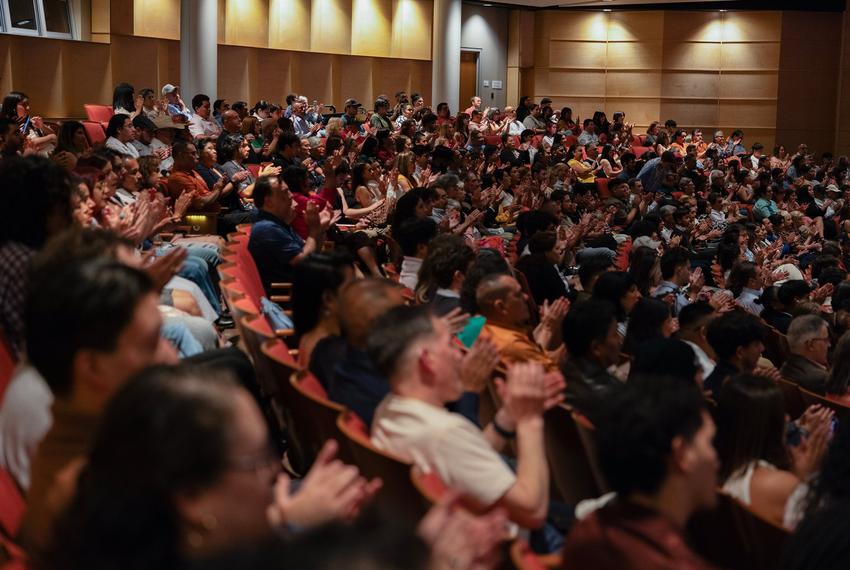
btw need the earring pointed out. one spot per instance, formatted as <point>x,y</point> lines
<point>209,523</point>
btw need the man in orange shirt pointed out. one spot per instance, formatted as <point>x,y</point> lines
<point>500,298</point>
<point>184,178</point>
<point>476,105</point>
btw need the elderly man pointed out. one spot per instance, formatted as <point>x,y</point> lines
<point>808,339</point>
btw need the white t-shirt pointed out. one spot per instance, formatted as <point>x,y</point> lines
<point>443,442</point>
<point>200,127</point>
<point>121,148</point>
<point>25,418</point>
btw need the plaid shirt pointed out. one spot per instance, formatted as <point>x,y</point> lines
<point>15,260</point>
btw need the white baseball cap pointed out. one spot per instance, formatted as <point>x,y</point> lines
<point>169,88</point>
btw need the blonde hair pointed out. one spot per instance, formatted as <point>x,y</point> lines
<point>404,163</point>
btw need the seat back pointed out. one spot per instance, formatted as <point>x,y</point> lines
<point>12,504</point>
<point>775,346</point>
<point>98,113</point>
<point>602,187</point>
<point>7,366</point>
<point>794,405</point>
<point>733,536</point>
<point>398,498</point>
<point>430,485</point>
<point>639,151</point>
<point>842,412</point>
<point>94,132</point>
<point>569,460</point>
<point>313,415</point>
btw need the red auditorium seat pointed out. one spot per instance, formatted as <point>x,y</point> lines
<point>398,497</point>
<point>12,504</point>
<point>639,151</point>
<point>98,113</point>
<point>602,187</point>
<point>94,132</point>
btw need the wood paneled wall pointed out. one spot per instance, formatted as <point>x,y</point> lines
<point>328,50</point>
<point>72,73</point>
<point>706,69</point>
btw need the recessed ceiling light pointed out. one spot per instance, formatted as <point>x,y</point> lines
<point>488,5</point>
<point>606,9</point>
<point>721,10</point>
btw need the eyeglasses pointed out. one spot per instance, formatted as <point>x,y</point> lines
<point>267,460</point>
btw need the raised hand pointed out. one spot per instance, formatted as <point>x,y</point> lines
<point>161,269</point>
<point>523,395</point>
<point>478,364</point>
<point>331,491</point>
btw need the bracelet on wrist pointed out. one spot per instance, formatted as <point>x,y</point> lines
<point>502,431</point>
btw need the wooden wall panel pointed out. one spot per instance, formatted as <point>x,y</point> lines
<point>330,26</point>
<point>749,55</point>
<point>234,74</point>
<point>628,55</point>
<point>745,114</point>
<point>6,63</point>
<point>586,83</point>
<point>751,26</point>
<point>289,24</point>
<point>247,23</point>
<point>692,26</point>
<point>640,111</point>
<point>355,76</point>
<point>312,74</point>
<point>690,84</point>
<point>275,81</point>
<point>157,18</point>
<point>639,83</point>
<point>635,26</point>
<point>87,76</point>
<point>574,25</point>
<point>749,85</point>
<point>690,113</point>
<point>411,29</point>
<point>140,72</point>
<point>44,88</point>
<point>371,27</point>
<point>578,54</point>
<point>689,56</point>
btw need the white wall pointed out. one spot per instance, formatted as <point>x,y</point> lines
<point>485,29</point>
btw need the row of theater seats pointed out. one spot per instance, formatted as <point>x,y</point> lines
<point>310,419</point>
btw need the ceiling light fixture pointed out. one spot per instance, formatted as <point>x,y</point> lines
<point>606,9</point>
<point>487,5</point>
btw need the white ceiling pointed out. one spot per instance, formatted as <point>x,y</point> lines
<point>595,3</point>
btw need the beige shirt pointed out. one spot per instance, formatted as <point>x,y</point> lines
<point>443,442</point>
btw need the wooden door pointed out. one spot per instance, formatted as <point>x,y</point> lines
<point>468,79</point>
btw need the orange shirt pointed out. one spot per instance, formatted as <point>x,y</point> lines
<point>516,346</point>
<point>179,182</point>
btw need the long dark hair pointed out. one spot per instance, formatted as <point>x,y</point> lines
<point>10,105</point>
<point>612,286</point>
<point>838,380</point>
<point>123,97</point>
<point>316,276</point>
<point>165,433</point>
<point>66,136</point>
<point>832,483</point>
<point>643,264</point>
<point>750,424</point>
<point>645,323</point>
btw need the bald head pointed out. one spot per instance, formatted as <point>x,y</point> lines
<point>361,303</point>
<point>500,298</point>
<point>231,122</point>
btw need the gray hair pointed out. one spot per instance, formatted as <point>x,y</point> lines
<point>684,181</point>
<point>804,328</point>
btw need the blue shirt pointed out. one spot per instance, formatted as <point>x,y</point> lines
<point>273,245</point>
<point>357,385</point>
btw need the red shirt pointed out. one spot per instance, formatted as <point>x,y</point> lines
<point>624,535</point>
<point>179,182</point>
